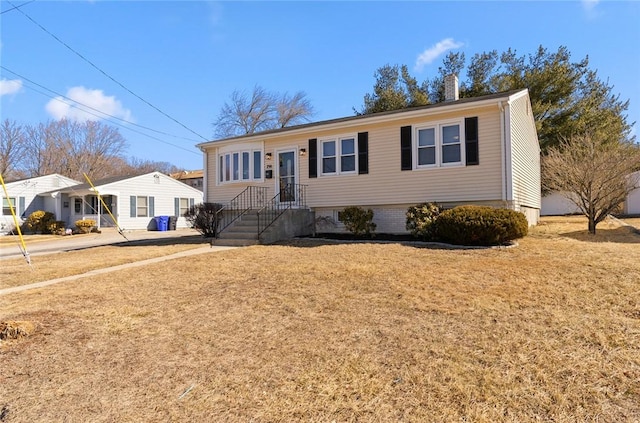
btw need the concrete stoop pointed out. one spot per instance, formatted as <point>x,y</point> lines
<point>244,232</point>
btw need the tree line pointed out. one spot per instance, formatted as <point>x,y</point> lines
<point>69,148</point>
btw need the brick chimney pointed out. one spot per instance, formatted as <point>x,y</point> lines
<point>451,88</point>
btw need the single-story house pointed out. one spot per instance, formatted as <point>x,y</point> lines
<point>25,197</point>
<point>481,150</point>
<point>632,203</point>
<point>193,178</point>
<point>557,203</point>
<point>133,200</point>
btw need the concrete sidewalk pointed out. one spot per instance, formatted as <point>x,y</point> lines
<point>44,244</point>
<point>201,250</point>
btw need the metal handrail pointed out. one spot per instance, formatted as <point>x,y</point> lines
<point>251,198</point>
<point>292,195</point>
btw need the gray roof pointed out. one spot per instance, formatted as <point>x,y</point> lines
<point>358,117</point>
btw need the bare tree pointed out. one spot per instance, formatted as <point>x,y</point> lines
<point>247,114</point>
<point>12,149</point>
<point>73,148</point>
<point>292,110</point>
<point>596,176</point>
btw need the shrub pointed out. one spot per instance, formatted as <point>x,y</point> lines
<point>39,221</point>
<point>421,220</point>
<point>86,225</point>
<point>480,225</point>
<point>204,218</point>
<point>358,221</point>
<point>57,227</point>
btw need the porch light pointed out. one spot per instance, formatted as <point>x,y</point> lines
<point>267,156</point>
<point>303,152</point>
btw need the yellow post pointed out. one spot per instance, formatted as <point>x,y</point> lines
<point>105,206</point>
<point>25,253</point>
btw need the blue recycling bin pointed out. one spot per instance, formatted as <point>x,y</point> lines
<point>162,223</point>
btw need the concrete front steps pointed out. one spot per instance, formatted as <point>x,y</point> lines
<point>244,231</point>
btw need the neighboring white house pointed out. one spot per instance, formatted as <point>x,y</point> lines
<point>632,204</point>
<point>133,200</point>
<point>481,150</point>
<point>25,197</point>
<point>557,204</point>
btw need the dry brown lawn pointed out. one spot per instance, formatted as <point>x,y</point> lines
<point>16,272</point>
<point>321,332</point>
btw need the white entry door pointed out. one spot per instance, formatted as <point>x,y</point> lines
<point>287,178</point>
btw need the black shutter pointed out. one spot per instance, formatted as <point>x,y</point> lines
<point>405,148</point>
<point>363,153</point>
<point>313,158</point>
<point>471,141</point>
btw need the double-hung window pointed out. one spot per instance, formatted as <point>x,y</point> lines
<point>183,206</point>
<point>339,155</point>
<point>142,206</point>
<point>240,166</point>
<point>439,145</point>
<point>7,204</point>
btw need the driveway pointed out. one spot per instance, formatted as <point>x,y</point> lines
<point>46,244</point>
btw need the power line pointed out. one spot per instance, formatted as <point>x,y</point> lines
<point>89,107</point>
<point>16,7</point>
<point>115,123</point>
<point>104,73</point>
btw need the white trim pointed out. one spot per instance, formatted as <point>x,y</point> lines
<point>438,126</point>
<point>276,166</point>
<point>338,154</point>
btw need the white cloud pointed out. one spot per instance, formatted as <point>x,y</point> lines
<point>88,101</point>
<point>433,52</point>
<point>10,86</point>
<point>589,5</point>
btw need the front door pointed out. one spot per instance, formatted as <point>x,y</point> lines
<point>287,175</point>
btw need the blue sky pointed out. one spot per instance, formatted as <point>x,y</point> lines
<point>187,57</point>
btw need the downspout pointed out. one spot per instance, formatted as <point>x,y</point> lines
<point>504,154</point>
<point>205,168</point>
<point>508,165</point>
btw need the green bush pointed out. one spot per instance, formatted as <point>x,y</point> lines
<point>421,220</point>
<point>86,225</point>
<point>39,221</point>
<point>358,221</point>
<point>480,225</point>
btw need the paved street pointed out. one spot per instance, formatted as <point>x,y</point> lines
<point>44,244</point>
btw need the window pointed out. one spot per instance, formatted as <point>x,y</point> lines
<point>7,203</point>
<point>245,165</point>
<point>451,144</point>
<point>240,166</point>
<point>426,147</point>
<point>348,155</point>
<point>183,206</point>
<point>339,156</point>
<point>439,145</point>
<point>257,165</point>
<point>77,205</point>
<point>328,157</point>
<point>91,205</point>
<point>142,207</point>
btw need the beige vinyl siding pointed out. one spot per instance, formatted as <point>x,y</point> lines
<point>525,155</point>
<point>387,184</point>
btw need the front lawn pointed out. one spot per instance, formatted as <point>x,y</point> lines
<point>323,331</point>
